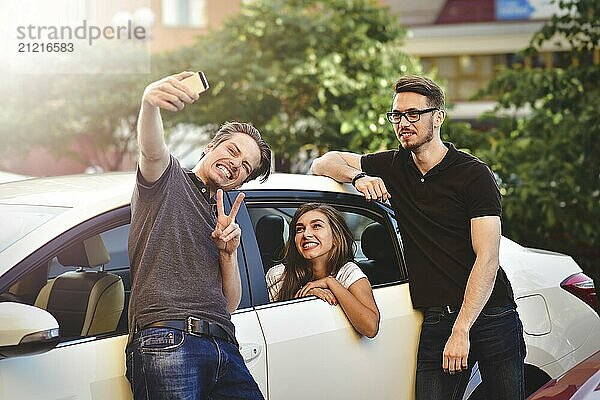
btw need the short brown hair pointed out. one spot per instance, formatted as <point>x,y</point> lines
<point>228,129</point>
<point>423,86</point>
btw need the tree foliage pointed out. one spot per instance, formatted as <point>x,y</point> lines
<point>549,161</point>
<point>310,74</point>
<point>50,111</point>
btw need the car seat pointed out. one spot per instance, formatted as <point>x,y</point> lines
<point>381,266</point>
<point>84,302</point>
<point>269,235</point>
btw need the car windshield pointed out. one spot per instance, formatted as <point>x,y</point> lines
<point>19,220</point>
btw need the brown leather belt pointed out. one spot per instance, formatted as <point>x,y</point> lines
<point>193,326</point>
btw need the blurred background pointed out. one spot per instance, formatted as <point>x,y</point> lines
<point>522,78</point>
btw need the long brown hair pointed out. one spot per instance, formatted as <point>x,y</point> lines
<point>298,271</point>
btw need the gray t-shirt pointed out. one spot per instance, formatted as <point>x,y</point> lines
<point>175,270</point>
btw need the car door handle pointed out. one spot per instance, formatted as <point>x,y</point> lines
<point>250,351</point>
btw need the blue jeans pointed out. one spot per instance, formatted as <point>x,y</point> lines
<point>497,344</point>
<point>165,363</point>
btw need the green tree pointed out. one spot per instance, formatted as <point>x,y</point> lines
<point>310,74</point>
<point>549,161</point>
<point>52,111</point>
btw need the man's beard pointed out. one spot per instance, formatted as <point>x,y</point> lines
<point>415,145</point>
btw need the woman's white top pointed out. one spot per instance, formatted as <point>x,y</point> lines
<point>347,275</point>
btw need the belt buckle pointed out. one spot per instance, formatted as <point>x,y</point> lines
<point>198,327</point>
<point>449,310</point>
<point>190,325</point>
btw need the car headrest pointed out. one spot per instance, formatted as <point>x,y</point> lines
<point>373,242</point>
<point>89,253</point>
<point>269,233</point>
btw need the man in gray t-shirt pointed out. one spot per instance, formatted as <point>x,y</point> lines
<point>185,280</point>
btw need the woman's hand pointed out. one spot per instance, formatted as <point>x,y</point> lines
<point>322,293</point>
<point>322,283</point>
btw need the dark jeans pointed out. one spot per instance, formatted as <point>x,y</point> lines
<point>165,363</point>
<point>496,343</point>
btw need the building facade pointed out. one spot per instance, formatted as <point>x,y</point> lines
<point>464,42</point>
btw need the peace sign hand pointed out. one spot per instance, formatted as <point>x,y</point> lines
<point>227,233</point>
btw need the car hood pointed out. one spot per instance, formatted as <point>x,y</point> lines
<point>66,191</point>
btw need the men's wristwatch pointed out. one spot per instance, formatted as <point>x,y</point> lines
<point>357,177</point>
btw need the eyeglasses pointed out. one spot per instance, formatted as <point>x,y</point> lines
<point>412,116</point>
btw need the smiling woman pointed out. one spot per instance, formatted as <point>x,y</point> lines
<point>319,262</point>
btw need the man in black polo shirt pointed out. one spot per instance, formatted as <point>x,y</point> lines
<point>448,207</point>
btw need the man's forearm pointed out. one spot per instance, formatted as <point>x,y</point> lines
<point>151,134</point>
<point>170,94</point>
<point>333,165</point>
<point>479,288</point>
<point>232,285</point>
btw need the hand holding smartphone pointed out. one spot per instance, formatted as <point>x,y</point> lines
<point>197,82</point>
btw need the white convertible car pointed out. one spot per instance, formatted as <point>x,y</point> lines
<point>65,282</point>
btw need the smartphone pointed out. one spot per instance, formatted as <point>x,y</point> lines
<point>197,82</point>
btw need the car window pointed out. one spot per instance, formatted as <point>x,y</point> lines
<point>85,285</point>
<point>115,242</point>
<point>374,239</point>
<point>23,219</point>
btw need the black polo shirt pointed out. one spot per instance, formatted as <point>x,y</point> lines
<point>434,213</point>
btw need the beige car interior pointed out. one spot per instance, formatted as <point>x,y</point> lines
<point>84,302</point>
<point>28,287</point>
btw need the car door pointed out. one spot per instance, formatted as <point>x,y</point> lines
<point>248,331</point>
<point>83,367</point>
<point>312,351</point>
<point>93,366</point>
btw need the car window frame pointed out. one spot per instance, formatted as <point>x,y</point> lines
<point>271,197</point>
<point>93,226</point>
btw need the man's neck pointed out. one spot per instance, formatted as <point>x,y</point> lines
<point>198,171</point>
<point>429,155</point>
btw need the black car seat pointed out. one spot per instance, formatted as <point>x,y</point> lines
<point>381,266</point>
<point>269,235</point>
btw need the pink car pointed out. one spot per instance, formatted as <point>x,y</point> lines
<point>582,382</point>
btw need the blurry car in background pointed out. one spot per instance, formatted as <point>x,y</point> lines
<point>65,284</point>
<point>11,177</point>
<point>582,382</point>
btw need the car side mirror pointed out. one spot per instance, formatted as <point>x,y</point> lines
<point>26,330</point>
